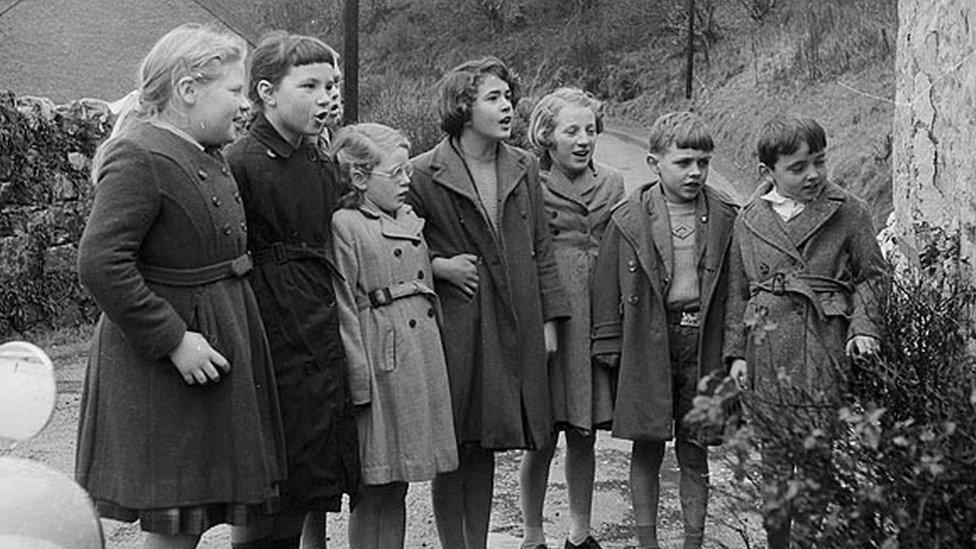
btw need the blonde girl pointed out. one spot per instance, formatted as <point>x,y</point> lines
<point>390,328</point>
<point>180,425</point>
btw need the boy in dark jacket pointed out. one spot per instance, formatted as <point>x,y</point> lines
<point>658,308</point>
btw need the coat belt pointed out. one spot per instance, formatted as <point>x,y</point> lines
<point>197,276</point>
<point>381,297</point>
<point>803,284</point>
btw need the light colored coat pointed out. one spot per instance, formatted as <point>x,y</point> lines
<point>807,283</point>
<point>396,363</point>
<point>578,214</point>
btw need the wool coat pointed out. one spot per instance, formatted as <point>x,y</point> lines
<point>396,361</point>
<point>493,342</point>
<point>807,284</point>
<point>146,438</point>
<point>578,214</point>
<point>630,289</point>
<point>289,195</point>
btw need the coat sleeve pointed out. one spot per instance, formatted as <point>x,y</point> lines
<point>734,328</point>
<point>607,331</point>
<point>868,270</point>
<point>127,201</point>
<point>555,304</point>
<point>352,338</point>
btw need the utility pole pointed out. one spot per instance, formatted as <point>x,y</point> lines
<point>350,61</point>
<point>690,70</point>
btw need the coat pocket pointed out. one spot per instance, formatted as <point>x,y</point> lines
<point>384,347</point>
<point>836,304</point>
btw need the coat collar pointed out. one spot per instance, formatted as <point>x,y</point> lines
<point>406,225</point>
<point>448,169</point>
<point>577,190</point>
<point>263,131</point>
<point>760,219</point>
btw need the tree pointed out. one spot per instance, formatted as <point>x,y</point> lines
<point>935,116</point>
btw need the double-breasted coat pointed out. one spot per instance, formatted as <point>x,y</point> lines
<point>807,283</point>
<point>396,362</point>
<point>630,289</point>
<point>147,440</point>
<point>289,196</point>
<point>493,342</point>
<point>579,211</point>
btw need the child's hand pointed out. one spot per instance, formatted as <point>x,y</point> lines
<point>862,346</point>
<point>549,333</point>
<point>460,270</point>
<point>739,371</point>
<point>197,361</point>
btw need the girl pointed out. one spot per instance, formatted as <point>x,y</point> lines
<point>289,190</point>
<point>497,280</point>
<point>578,195</point>
<point>180,425</point>
<point>389,325</point>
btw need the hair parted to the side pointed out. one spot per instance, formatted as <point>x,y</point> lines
<point>458,89</point>
<point>279,51</point>
<point>542,121</point>
<point>683,129</point>
<point>362,147</point>
<point>191,50</point>
<point>783,135</point>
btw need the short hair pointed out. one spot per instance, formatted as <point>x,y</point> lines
<point>362,147</point>
<point>783,135</point>
<point>278,52</point>
<point>683,129</point>
<point>458,90</point>
<point>542,122</point>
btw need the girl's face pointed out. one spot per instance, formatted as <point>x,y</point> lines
<point>573,139</point>
<point>218,105</point>
<point>491,112</point>
<point>303,101</point>
<point>386,186</point>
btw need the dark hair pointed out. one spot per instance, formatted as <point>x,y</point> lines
<point>280,51</point>
<point>783,135</point>
<point>683,129</point>
<point>458,90</point>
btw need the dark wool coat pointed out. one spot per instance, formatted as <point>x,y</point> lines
<point>146,438</point>
<point>807,283</point>
<point>289,197</point>
<point>579,212</point>
<point>493,342</point>
<point>630,288</point>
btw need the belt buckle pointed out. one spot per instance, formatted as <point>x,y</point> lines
<point>380,297</point>
<point>278,253</point>
<point>689,319</point>
<point>242,265</point>
<point>778,284</point>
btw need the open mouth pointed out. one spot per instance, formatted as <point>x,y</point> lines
<point>582,155</point>
<point>322,116</point>
<point>506,121</point>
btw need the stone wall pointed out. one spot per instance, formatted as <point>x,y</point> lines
<point>45,197</point>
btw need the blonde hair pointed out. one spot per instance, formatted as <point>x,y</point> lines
<point>542,121</point>
<point>362,147</point>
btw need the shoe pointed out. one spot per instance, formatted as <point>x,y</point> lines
<point>588,543</point>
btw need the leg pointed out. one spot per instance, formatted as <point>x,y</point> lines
<point>645,489</point>
<point>533,481</point>
<point>252,536</point>
<point>693,490</point>
<point>378,522</point>
<point>447,496</point>
<point>393,516</point>
<point>776,471</point>
<point>166,541</point>
<point>314,530</point>
<point>286,531</point>
<point>478,469</point>
<point>580,467</point>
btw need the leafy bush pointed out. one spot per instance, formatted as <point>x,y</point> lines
<point>891,463</point>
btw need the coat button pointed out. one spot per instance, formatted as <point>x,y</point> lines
<point>555,232</point>
<point>397,252</point>
<point>763,269</point>
<point>632,299</point>
<point>412,323</point>
<point>416,243</point>
<point>225,171</point>
<point>430,313</point>
<point>202,175</point>
<point>704,219</point>
<point>244,226</point>
<point>216,201</point>
<point>270,153</point>
<point>667,281</point>
<point>554,215</point>
<point>227,229</point>
<point>420,275</point>
<point>632,266</point>
<point>237,197</point>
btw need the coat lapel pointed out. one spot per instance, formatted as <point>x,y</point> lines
<point>449,171</point>
<point>809,221</point>
<point>403,227</point>
<point>573,191</point>
<point>660,224</point>
<point>509,172</point>
<point>760,219</point>
<point>716,226</point>
<point>634,225</point>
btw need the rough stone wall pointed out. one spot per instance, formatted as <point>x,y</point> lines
<point>935,119</point>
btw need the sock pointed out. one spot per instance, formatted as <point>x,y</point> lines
<point>533,536</point>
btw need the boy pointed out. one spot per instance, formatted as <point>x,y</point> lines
<point>658,308</point>
<point>803,262</point>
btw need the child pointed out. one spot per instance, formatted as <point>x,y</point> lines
<point>804,259</point>
<point>388,315</point>
<point>658,305</point>
<point>498,283</point>
<point>180,426</point>
<point>578,195</point>
<point>289,190</point>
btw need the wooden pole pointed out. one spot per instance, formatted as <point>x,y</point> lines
<point>350,61</point>
<point>690,70</point>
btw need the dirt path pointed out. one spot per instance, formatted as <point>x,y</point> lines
<point>612,520</point>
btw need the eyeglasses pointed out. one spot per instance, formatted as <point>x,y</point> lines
<point>398,172</point>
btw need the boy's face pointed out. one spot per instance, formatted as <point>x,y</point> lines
<point>682,172</point>
<point>800,175</point>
